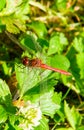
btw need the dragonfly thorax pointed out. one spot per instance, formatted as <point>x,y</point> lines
<point>35,62</point>
<point>31,62</point>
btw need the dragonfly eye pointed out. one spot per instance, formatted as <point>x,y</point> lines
<point>25,61</point>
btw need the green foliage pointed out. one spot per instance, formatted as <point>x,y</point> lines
<point>61,4</point>
<point>32,97</point>
<point>2,4</point>
<point>3,114</point>
<point>5,94</point>
<point>44,125</point>
<point>73,116</point>
<point>60,61</point>
<point>57,44</point>
<point>39,28</point>
<point>14,18</point>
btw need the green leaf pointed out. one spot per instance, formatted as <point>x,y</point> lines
<point>8,10</point>
<point>58,42</point>
<point>27,78</point>
<point>29,42</point>
<point>10,25</point>
<point>60,61</point>
<point>43,124</point>
<point>2,4</point>
<point>69,115</point>
<point>48,103</point>
<point>15,18</point>
<point>3,114</point>
<point>76,61</point>
<point>61,5</point>
<point>77,117</point>
<point>5,95</point>
<point>59,116</point>
<point>80,63</point>
<point>13,122</point>
<point>72,115</point>
<point>38,27</point>
<point>9,126</point>
<point>78,44</point>
<point>5,68</point>
<point>43,42</point>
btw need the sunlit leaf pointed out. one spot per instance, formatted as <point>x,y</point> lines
<point>77,117</point>
<point>14,18</point>
<point>80,62</point>
<point>78,44</point>
<point>76,61</point>
<point>29,42</point>
<point>11,127</point>
<point>27,78</point>
<point>48,103</point>
<point>5,95</point>
<point>60,61</point>
<point>3,115</point>
<point>2,4</point>
<point>57,43</point>
<point>72,115</point>
<point>69,115</point>
<point>43,124</point>
<point>39,28</point>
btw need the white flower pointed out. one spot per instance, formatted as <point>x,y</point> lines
<point>31,116</point>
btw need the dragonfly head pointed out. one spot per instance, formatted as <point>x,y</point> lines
<point>25,61</point>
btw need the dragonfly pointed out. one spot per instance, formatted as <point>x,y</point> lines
<point>39,64</point>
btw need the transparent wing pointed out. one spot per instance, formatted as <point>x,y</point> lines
<point>47,105</point>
